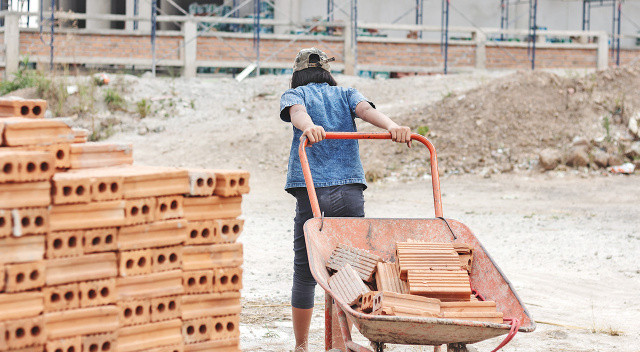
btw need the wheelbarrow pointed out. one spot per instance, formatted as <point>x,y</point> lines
<point>379,236</point>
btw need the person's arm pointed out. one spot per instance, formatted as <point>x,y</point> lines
<point>400,134</point>
<point>301,119</point>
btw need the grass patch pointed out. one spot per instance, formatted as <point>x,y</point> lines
<point>143,107</point>
<point>114,100</point>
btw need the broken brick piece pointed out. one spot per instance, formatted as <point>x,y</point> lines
<point>20,305</point>
<point>231,183</point>
<point>6,223</point>
<point>163,233</point>
<point>201,232</point>
<point>28,108</point>
<point>224,345</point>
<point>24,132</point>
<point>166,258</point>
<point>98,293</point>
<point>22,249</point>
<point>100,154</point>
<point>148,336</point>
<point>197,281</point>
<point>210,304</point>
<point>62,244</point>
<point>30,221</point>
<point>87,216</point>
<point>201,182</point>
<point>212,256</point>
<point>169,207</point>
<point>69,188</point>
<point>364,262</point>
<point>87,267</point>
<point>445,285</point>
<point>166,308</point>
<point>61,297</point>
<point>391,303</point>
<point>153,285</point>
<point>228,230</point>
<point>100,240</point>
<point>347,285</point>
<point>83,321</point>
<point>25,276</point>
<point>136,262</point>
<point>227,279</point>
<point>72,344</point>
<point>388,279</point>
<point>25,332</point>
<point>226,327</point>
<point>134,312</point>
<point>197,330</point>
<point>139,211</point>
<point>25,195</point>
<point>209,208</point>
<point>101,342</point>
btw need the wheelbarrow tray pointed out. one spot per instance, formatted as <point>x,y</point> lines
<point>379,236</point>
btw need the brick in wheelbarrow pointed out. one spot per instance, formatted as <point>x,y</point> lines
<point>149,336</point>
<point>465,254</point>
<point>212,256</point>
<point>213,207</point>
<point>391,303</point>
<point>388,279</point>
<point>445,285</point>
<point>156,234</point>
<point>425,256</point>
<point>230,183</point>
<point>347,285</point>
<point>21,305</point>
<point>210,304</point>
<point>27,132</point>
<point>100,154</point>
<point>28,108</point>
<point>364,262</point>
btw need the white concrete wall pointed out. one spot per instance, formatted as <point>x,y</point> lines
<point>144,10</point>
<point>96,8</point>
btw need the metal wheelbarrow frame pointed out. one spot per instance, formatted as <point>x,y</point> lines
<point>379,236</point>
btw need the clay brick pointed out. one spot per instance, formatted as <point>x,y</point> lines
<point>25,276</point>
<point>231,183</point>
<point>197,330</point>
<point>391,303</point>
<point>24,132</point>
<point>166,258</point>
<point>25,166</point>
<point>61,297</point>
<point>229,230</point>
<point>3,337</point>
<point>32,108</point>
<point>139,211</point>
<point>30,221</point>
<point>197,281</point>
<point>148,336</point>
<point>22,249</point>
<point>83,321</point>
<point>166,308</point>
<point>38,348</point>
<point>6,223</point>
<point>226,327</point>
<point>362,261</point>
<point>20,305</point>
<point>151,181</point>
<point>80,135</point>
<point>134,312</point>
<point>25,195</point>
<point>172,348</point>
<point>210,304</point>
<point>98,293</point>
<point>60,152</point>
<point>465,254</point>
<point>100,240</point>
<point>150,286</point>
<point>134,262</point>
<point>388,279</point>
<point>225,345</point>
<point>202,232</point>
<point>25,332</point>
<point>87,267</point>
<point>347,285</point>
<point>488,317</point>
<point>103,185</point>
<point>212,256</point>
<point>201,182</point>
<point>227,279</point>
<point>169,207</point>
<point>69,188</point>
<point>64,244</point>
<point>209,208</point>
<point>100,342</point>
<point>446,285</point>
<point>100,154</point>
<point>72,344</point>
<point>87,216</point>
<point>164,233</point>
<point>426,256</point>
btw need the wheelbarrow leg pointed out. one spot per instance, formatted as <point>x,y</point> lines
<point>351,346</point>
<point>457,347</point>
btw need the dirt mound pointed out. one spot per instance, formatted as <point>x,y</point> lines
<point>504,125</point>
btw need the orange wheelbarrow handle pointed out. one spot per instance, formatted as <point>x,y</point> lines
<point>306,170</point>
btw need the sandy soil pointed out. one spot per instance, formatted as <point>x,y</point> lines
<point>568,241</point>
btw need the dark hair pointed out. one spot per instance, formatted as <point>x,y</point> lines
<point>312,75</point>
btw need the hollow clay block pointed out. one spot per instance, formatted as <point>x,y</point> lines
<point>347,285</point>
<point>362,261</point>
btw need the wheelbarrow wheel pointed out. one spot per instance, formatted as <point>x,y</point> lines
<point>460,347</point>
<point>377,346</point>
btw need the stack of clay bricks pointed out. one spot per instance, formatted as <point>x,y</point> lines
<point>97,254</point>
<point>428,280</point>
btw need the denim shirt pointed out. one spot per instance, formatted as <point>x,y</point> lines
<point>333,162</point>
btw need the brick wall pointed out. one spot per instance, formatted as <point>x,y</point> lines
<point>500,57</point>
<point>414,54</point>
<point>626,57</point>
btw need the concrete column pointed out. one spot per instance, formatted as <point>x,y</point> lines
<point>190,31</point>
<point>286,10</point>
<point>481,50</point>
<point>98,8</point>
<point>603,51</point>
<point>11,44</point>
<point>349,51</point>
<point>144,10</point>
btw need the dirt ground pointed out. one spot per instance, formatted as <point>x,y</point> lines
<point>568,240</point>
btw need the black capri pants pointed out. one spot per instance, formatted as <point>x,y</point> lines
<point>335,201</point>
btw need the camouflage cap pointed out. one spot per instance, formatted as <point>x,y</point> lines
<point>302,60</point>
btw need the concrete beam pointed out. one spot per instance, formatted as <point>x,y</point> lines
<point>190,30</point>
<point>98,8</point>
<point>603,52</point>
<point>481,50</point>
<point>11,43</point>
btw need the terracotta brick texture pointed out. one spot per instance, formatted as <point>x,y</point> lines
<point>197,330</point>
<point>148,336</point>
<point>134,312</point>
<point>151,285</point>
<point>362,261</point>
<point>64,244</point>
<point>226,327</point>
<point>25,276</point>
<point>22,249</point>
<point>72,344</point>
<point>169,207</point>
<point>100,343</point>
<point>100,240</point>
<point>87,216</point>
<point>98,293</point>
<point>26,132</point>
<point>227,279</point>
<point>228,230</point>
<point>212,256</point>
<point>30,221</point>
<point>69,188</point>
<point>83,321</point>
<point>348,285</point>
<point>223,345</point>
<point>231,183</point>
<point>22,108</point>
<point>25,195</point>
<point>99,154</point>
<point>198,281</point>
<point>21,305</point>
<point>214,207</point>
<point>61,297</point>
<point>6,224</point>
<point>157,234</point>
<point>166,308</point>
<point>202,232</point>
<point>210,304</point>
<point>139,211</point>
<point>134,262</point>
<point>88,267</point>
<point>201,182</point>
<point>25,332</point>
<point>166,258</point>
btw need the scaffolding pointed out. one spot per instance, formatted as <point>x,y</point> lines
<point>616,6</point>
